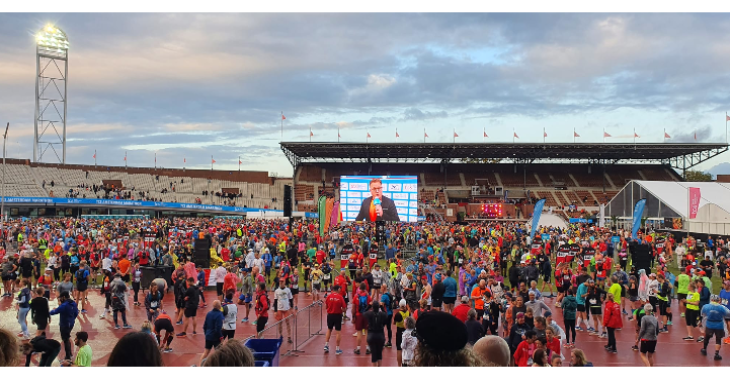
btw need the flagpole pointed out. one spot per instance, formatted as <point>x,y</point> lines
<point>338,133</point>
<point>239,163</point>
<point>543,135</point>
<point>484,132</point>
<point>424,135</point>
<point>282,126</point>
<point>574,135</point>
<point>125,159</point>
<point>211,162</point>
<point>155,161</point>
<point>94,158</point>
<point>725,127</point>
<point>454,135</point>
<point>513,135</point>
<point>310,132</point>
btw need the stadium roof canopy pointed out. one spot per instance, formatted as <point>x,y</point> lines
<point>677,155</point>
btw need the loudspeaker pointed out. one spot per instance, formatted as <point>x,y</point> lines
<point>287,201</point>
<point>149,273</point>
<point>642,257</point>
<point>201,253</point>
<point>380,233</point>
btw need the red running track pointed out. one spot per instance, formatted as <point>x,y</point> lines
<point>671,350</point>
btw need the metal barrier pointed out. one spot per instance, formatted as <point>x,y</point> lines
<point>308,324</point>
<point>300,327</point>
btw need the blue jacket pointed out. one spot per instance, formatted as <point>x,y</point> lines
<point>213,325</point>
<point>68,311</point>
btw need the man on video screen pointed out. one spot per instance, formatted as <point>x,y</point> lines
<point>377,207</point>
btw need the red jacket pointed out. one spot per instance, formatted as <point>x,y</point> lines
<point>612,316</point>
<point>461,311</point>
<point>522,354</point>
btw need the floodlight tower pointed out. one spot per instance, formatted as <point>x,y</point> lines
<point>50,93</point>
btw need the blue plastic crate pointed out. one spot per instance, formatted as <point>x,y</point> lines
<point>265,350</point>
<point>261,364</point>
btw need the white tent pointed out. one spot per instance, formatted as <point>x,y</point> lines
<point>549,220</point>
<point>667,199</point>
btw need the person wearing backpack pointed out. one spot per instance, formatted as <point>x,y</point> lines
<point>361,304</point>
<point>386,302</point>
<point>82,284</point>
<point>119,300</point>
<point>262,309</point>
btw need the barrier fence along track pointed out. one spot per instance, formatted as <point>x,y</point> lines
<point>305,324</point>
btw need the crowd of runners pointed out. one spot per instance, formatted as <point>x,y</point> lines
<point>479,294</point>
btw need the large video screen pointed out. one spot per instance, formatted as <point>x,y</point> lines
<point>397,197</point>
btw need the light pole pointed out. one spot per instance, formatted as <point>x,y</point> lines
<point>5,140</point>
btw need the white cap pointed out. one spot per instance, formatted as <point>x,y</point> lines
<point>402,303</point>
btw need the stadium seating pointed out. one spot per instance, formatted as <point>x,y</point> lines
<point>585,184</point>
<point>25,179</point>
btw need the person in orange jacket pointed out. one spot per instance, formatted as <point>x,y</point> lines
<point>612,321</point>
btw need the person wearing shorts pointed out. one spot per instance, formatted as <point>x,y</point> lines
<point>262,309</point>
<point>164,322</point>
<point>714,314</point>
<point>336,306</point>
<point>692,312</point>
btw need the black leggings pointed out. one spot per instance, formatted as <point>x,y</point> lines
<point>388,327</point>
<point>124,316</point>
<point>611,338</point>
<point>135,287</point>
<point>569,327</point>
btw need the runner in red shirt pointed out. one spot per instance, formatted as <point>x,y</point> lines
<point>262,309</point>
<point>320,256</point>
<point>336,306</point>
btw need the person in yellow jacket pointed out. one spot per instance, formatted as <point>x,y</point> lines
<point>214,259</point>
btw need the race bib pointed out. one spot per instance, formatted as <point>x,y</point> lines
<point>326,276</point>
<point>373,256</point>
<point>592,301</point>
<point>153,304</point>
<point>461,261</point>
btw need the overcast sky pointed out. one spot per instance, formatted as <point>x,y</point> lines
<point>194,85</point>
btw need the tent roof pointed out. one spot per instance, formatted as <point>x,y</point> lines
<point>675,194</point>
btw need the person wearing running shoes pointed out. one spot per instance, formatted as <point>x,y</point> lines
<point>647,335</point>
<point>725,301</point>
<point>692,312</point>
<point>336,306</point>
<point>714,314</point>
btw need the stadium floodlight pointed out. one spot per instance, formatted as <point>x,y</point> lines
<point>49,131</point>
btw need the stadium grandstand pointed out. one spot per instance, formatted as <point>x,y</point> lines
<point>94,188</point>
<point>453,178</point>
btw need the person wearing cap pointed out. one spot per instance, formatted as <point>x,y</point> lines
<point>714,314</point>
<point>399,318</point>
<point>316,277</point>
<point>442,341</point>
<point>461,311</point>
<point>517,332</point>
<point>647,332</point>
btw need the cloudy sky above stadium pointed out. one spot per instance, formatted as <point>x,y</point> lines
<point>189,86</point>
